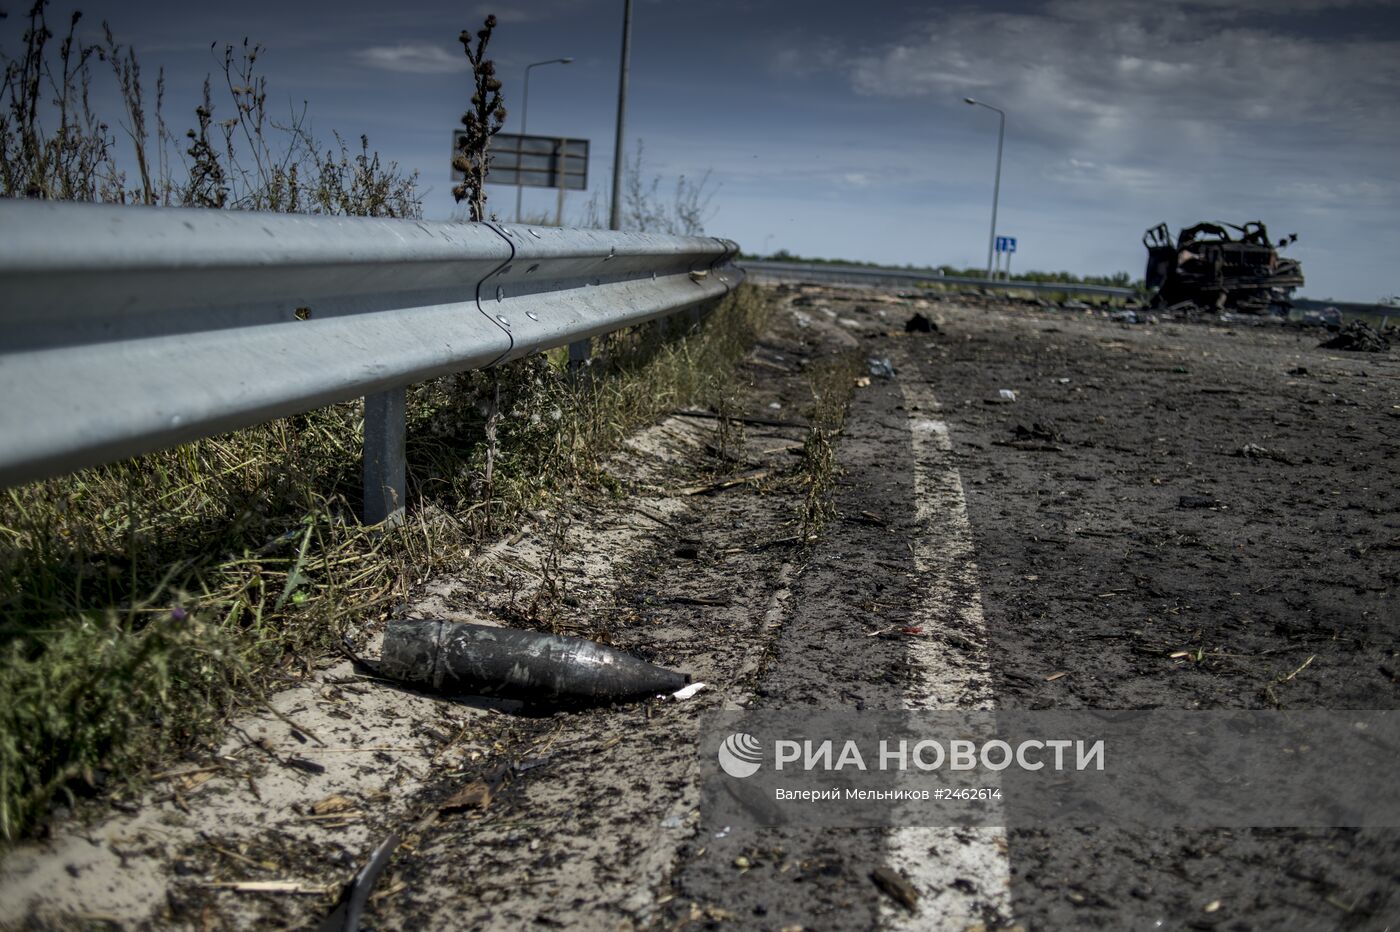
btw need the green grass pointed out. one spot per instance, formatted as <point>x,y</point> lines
<point>146,601</point>
<point>142,602</point>
<point>832,380</point>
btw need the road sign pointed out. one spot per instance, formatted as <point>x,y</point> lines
<point>533,161</point>
<point>1006,244</point>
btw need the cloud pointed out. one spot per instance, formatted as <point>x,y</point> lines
<point>512,14</point>
<point>1313,193</point>
<point>1126,93</point>
<point>1080,171</point>
<point>803,60</point>
<point>413,58</point>
<point>530,12</point>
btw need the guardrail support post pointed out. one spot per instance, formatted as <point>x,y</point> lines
<point>579,352</point>
<point>385,472</point>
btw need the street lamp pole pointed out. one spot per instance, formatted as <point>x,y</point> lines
<point>524,123</point>
<point>615,215</point>
<point>996,189</point>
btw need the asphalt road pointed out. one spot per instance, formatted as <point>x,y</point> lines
<point>1166,516</point>
<point>1152,491</point>
<point>1098,561</point>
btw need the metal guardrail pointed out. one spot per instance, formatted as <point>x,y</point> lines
<point>859,274</point>
<point>128,329</point>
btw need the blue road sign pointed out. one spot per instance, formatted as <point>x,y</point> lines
<point>1006,244</point>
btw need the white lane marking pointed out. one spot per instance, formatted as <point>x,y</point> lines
<point>956,676</point>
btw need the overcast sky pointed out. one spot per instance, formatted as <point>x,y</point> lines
<point>838,129</point>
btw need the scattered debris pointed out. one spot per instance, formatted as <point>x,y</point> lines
<point>1306,664</point>
<point>475,795</point>
<point>1196,501</point>
<point>298,731</point>
<point>754,421</point>
<point>1037,431</point>
<point>334,819</point>
<point>455,657</point>
<point>267,886</point>
<point>1210,269</point>
<point>710,488</point>
<point>301,763</point>
<point>712,913</point>
<point>893,885</point>
<point>1125,317</point>
<point>1256,452</point>
<point>1329,317</point>
<point>186,774</point>
<point>707,600</point>
<point>687,692</point>
<point>920,324</point>
<point>1357,337</point>
<point>332,803</point>
<point>346,915</point>
<point>880,368</point>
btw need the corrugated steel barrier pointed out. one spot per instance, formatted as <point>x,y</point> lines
<point>128,329</point>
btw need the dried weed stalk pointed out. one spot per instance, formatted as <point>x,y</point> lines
<point>484,120</point>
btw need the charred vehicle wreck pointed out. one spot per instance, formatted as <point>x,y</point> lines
<point>1211,268</point>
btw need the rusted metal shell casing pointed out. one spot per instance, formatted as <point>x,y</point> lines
<point>455,657</point>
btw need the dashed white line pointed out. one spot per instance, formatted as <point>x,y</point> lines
<point>953,677</point>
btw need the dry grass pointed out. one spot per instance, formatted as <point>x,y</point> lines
<point>143,601</point>
<point>55,146</point>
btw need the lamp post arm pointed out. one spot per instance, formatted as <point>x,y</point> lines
<point>524,126</point>
<point>524,121</point>
<point>996,186</point>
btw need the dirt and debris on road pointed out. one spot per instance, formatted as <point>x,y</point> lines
<point>1160,516</point>
<point>1357,337</point>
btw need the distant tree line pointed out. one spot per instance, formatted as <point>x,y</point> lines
<point>1117,279</point>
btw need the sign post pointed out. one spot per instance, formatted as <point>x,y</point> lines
<point>1007,245</point>
<point>535,162</point>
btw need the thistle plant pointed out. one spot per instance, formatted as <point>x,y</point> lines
<point>484,120</point>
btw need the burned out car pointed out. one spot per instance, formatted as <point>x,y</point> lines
<point>1221,267</point>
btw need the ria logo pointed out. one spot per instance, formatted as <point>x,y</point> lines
<point>740,755</point>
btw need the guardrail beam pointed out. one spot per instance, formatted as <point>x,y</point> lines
<point>127,329</point>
